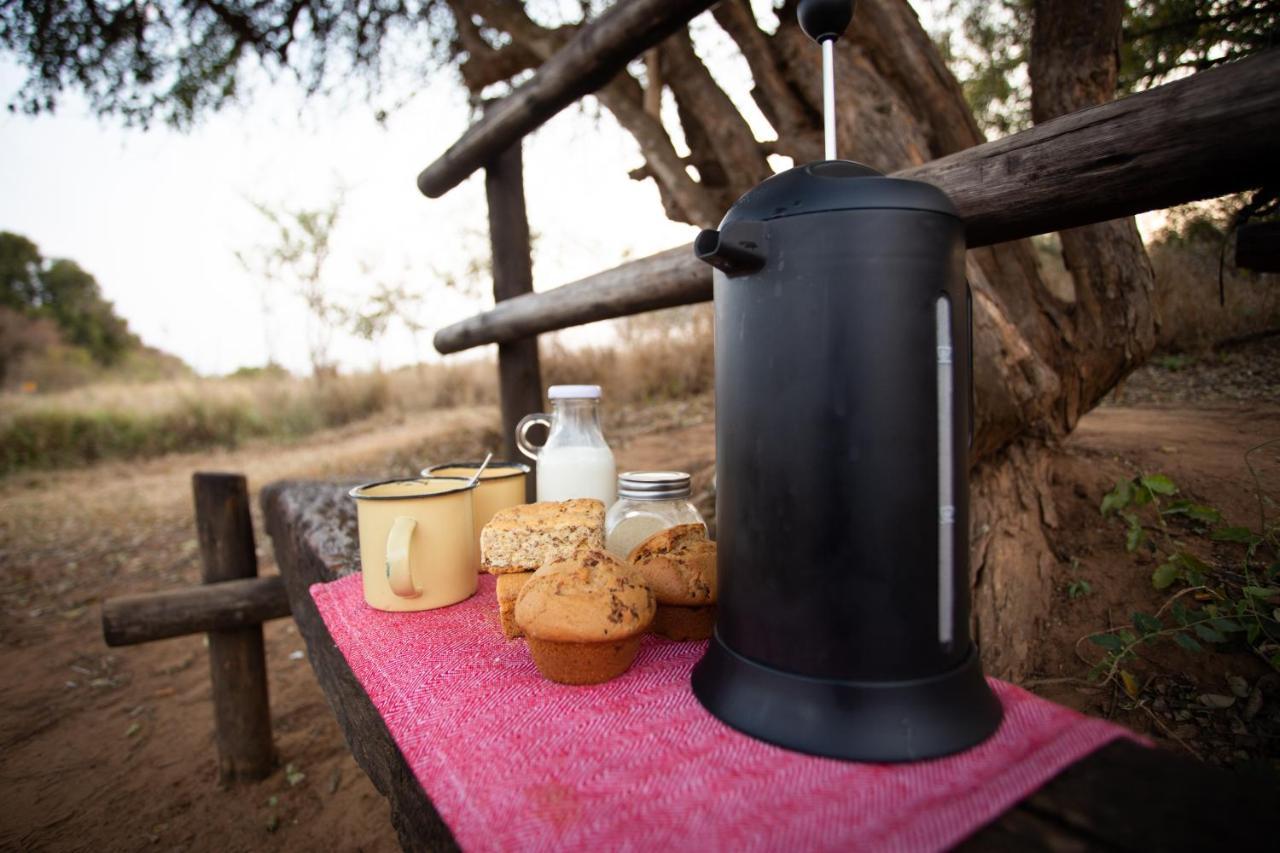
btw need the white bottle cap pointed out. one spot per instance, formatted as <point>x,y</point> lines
<point>573,392</point>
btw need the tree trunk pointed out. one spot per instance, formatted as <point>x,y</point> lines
<point>1040,361</point>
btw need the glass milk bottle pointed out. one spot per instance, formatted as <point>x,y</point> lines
<point>575,462</point>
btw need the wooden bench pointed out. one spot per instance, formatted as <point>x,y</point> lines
<point>1122,797</point>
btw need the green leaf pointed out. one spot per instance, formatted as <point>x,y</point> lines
<point>1208,634</point>
<point>1141,496</point>
<point>1261,591</point>
<point>1200,512</point>
<point>1133,539</point>
<point>1117,498</point>
<point>1158,484</point>
<point>1253,632</point>
<point>1191,562</point>
<point>1188,642</point>
<point>1181,613</point>
<point>1243,535</point>
<point>1164,576</point>
<point>1226,625</point>
<point>1147,623</point>
<point>1108,641</point>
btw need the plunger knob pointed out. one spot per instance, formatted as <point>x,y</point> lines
<point>824,20</point>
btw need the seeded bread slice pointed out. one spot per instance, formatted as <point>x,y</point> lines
<point>527,537</point>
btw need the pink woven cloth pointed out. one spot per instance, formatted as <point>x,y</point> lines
<point>514,762</point>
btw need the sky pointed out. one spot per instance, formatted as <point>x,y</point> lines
<point>158,216</point>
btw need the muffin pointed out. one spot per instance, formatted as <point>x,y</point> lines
<point>679,565</point>
<point>524,538</point>
<point>584,617</point>
<point>509,586</point>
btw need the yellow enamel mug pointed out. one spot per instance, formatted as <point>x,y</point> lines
<point>416,543</point>
<point>501,485</point>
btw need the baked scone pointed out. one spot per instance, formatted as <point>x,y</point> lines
<point>509,586</point>
<point>584,617</point>
<point>679,565</point>
<point>526,537</point>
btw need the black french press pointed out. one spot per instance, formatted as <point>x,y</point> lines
<point>843,342</point>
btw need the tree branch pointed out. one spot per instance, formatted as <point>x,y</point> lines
<point>794,122</point>
<point>724,149</point>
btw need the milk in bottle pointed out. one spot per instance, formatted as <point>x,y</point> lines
<point>575,462</point>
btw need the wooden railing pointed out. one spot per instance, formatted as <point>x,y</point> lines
<point>1210,134</point>
<point>1204,136</point>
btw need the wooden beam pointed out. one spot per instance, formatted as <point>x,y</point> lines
<point>1203,136</point>
<point>224,606</point>
<point>237,660</point>
<point>1200,137</point>
<point>519,370</point>
<point>673,277</point>
<point>600,50</point>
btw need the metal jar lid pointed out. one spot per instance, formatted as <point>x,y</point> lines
<point>654,485</point>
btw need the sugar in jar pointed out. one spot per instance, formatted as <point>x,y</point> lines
<point>648,502</point>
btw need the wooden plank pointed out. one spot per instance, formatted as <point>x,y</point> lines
<point>313,531</point>
<point>1206,135</point>
<point>600,50</point>
<point>224,606</point>
<point>673,277</point>
<point>519,371</point>
<point>1121,797</point>
<point>237,660</point>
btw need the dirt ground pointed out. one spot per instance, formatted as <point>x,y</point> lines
<point>107,749</point>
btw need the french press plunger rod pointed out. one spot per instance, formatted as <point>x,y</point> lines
<point>824,21</point>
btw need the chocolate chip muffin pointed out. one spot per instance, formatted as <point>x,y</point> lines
<point>584,617</point>
<point>679,565</point>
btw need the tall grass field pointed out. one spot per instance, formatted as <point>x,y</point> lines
<point>130,420</point>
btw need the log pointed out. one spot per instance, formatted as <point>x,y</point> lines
<point>669,278</point>
<point>132,619</point>
<point>1121,797</point>
<point>237,660</point>
<point>1203,136</point>
<point>519,371</point>
<point>600,50</point>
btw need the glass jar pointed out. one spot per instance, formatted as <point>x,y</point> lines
<point>648,502</point>
<point>575,462</point>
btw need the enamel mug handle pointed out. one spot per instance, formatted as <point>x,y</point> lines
<point>522,433</point>
<point>398,574</point>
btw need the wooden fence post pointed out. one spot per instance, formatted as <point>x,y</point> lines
<point>519,371</point>
<point>237,661</point>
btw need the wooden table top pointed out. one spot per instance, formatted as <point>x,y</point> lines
<point>1122,797</point>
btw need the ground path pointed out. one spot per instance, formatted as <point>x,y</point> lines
<point>112,749</point>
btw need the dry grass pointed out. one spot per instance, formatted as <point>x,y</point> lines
<point>1191,319</point>
<point>663,356</point>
